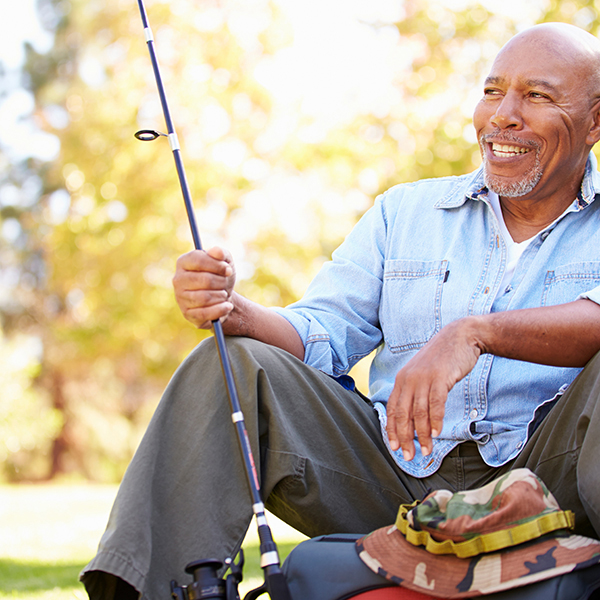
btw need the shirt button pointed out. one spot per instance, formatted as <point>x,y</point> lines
<point>487,290</point>
<point>473,414</point>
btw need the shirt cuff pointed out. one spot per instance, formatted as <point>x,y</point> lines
<point>593,295</point>
<point>317,350</point>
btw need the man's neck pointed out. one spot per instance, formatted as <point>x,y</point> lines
<point>524,219</point>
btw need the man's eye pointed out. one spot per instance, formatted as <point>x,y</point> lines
<point>491,92</point>
<point>538,95</point>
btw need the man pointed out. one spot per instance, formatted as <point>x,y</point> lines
<point>481,295</point>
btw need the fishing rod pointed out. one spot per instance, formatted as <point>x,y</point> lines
<point>204,571</point>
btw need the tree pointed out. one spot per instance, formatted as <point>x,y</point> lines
<point>276,179</point>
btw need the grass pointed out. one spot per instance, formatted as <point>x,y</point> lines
<point>42,581</point>
<point>49,532</point>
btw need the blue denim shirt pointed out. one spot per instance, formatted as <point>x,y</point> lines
<point>429,253</point>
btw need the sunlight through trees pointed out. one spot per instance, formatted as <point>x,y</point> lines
<point>292,118</point>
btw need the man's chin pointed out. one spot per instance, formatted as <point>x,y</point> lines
<point>512,189</point>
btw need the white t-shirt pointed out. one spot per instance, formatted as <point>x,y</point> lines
<point>514,249</point>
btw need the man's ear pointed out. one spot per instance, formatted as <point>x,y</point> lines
<point>594,132</point>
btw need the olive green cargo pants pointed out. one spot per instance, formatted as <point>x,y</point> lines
<point>323,466</point>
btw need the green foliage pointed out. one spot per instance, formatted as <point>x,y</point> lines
<point>28,423</point>
<point>89,240</point>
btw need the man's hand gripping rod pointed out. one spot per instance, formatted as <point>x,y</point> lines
<point>276,584</point>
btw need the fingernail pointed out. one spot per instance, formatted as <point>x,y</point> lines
<point>435,433</point>
<point>406,455</point>
<point>425,451</point>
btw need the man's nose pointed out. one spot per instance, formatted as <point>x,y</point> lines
<point>508,114</point>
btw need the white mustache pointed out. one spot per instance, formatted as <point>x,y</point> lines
<point>505,138</point>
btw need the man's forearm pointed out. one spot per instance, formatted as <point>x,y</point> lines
<point>566,335</point>
<point>252,320</point>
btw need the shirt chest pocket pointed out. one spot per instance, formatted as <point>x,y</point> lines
<point>410,313</point>
<point>565,283</point>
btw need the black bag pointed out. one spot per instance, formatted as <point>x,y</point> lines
<point>328,568</point>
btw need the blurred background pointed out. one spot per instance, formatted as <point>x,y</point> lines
<point>292,117</point>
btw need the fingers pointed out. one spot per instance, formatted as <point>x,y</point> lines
<point>400,423</point>
<point>216,260</point>
<point>417,403</point>
<point>415,409</point>
<point>409,415</point>
<point>437,407</point>
<point>203,307</point>
<point>203,284</point>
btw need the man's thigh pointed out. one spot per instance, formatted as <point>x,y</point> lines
<point>324,465</point>
<point>564,451</point>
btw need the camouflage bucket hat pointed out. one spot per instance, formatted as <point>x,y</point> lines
<point>508,533</point>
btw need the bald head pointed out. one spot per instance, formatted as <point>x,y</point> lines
<point>539,116</point>
<point>558,32</point>
<point>572,45</point>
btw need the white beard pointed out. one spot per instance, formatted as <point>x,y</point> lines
<point>517,188</point>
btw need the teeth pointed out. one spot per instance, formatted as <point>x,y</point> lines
<point>505,150</point>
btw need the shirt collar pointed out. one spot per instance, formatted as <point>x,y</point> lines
<point>590,186</point>
<point>474,187</point>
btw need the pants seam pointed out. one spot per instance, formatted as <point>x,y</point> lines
<point>300,471</point>
<point>559,455</point>
<point>356,478</point>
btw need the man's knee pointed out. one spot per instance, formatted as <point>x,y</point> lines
<point>237,347</point>
<point>249,357</point>
<point>249,360</point>
<point>593,365</point>
<point>207,355</point>
<point>578,405</point>
<point>589,378</point>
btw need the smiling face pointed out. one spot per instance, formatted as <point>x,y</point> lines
<point>537,120</point>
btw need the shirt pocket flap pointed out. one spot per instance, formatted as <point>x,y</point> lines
<point>410,312</point>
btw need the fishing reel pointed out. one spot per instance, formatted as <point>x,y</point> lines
<point>207,584</point>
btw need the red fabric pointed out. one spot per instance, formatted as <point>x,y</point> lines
<point>393,593</point>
